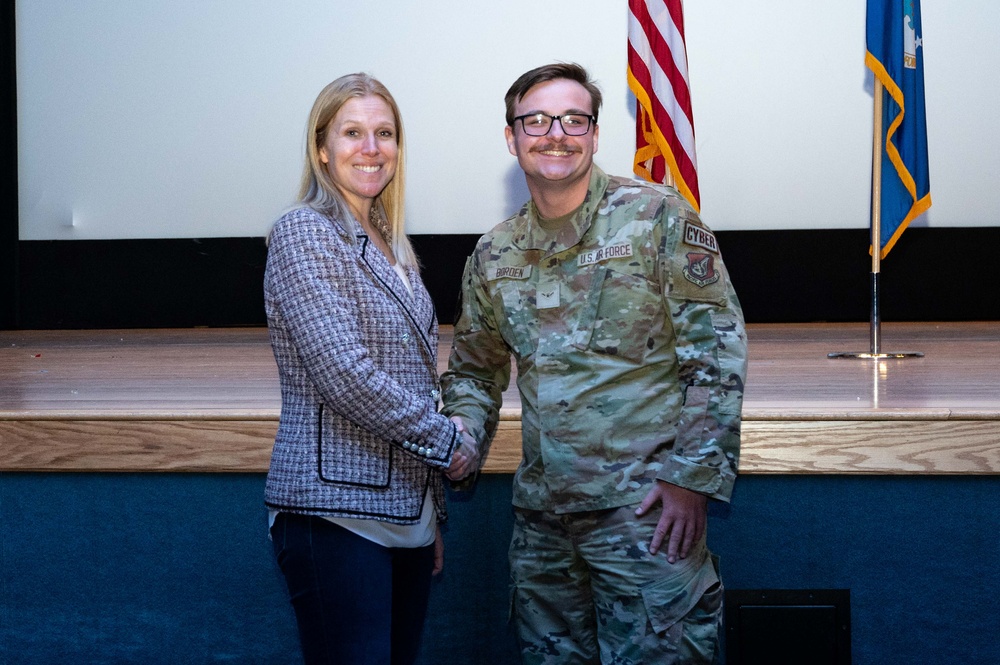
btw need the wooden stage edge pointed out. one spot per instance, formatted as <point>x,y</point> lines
<point>207,400</point>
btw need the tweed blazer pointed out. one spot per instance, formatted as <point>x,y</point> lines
<point>359,434</point>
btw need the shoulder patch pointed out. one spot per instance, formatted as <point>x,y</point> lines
<point>700,269</point>
<point>699,236</point>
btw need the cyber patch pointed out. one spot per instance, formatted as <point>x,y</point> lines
<point>700,269</point>
<point>700,237</point>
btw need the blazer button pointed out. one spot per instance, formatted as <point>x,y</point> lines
<point>422,451</point>
<point>405,338</point>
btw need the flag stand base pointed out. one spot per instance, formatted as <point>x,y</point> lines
<point>875,356</point>
<point>875,330</point>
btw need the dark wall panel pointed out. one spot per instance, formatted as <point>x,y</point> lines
<point>8,167</point>
<point>781,277</point>
<point>142,283</point>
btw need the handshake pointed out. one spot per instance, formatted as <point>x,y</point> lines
<point>465,460</point>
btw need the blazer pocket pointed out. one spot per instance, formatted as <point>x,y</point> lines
<point>350,455</point>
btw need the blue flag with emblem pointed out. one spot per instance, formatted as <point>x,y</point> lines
<point>895,54</point>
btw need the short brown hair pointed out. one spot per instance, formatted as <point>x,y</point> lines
<point>558,70</point>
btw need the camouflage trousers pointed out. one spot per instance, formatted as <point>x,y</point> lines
<point>585,590</point>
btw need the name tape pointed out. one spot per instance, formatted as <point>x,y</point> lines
<point>508,272</point>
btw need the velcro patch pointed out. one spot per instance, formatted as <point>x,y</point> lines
<point>508,272</point>
<point>547,296</point>
<point>699,236</point>
<point>700,269</point>
<point>617,251</point>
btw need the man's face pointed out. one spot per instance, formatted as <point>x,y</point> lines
<point>554,161</point>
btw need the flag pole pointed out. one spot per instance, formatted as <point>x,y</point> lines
<point>876,233</point>
<point>875,324</point>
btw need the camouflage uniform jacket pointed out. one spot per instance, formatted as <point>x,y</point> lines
<point>629,342</point>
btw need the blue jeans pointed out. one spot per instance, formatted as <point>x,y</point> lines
<point>356,602</point>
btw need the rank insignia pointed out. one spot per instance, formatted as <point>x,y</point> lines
<point>700,269</point>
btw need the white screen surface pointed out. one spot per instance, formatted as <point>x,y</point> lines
<point>185,118</point>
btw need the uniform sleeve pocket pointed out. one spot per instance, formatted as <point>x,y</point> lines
<point>731,335</point>
<point>669,600</point>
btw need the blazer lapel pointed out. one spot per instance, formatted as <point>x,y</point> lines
<point>418,308</point>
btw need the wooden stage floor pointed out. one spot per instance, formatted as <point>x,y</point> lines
<point>206,400</point>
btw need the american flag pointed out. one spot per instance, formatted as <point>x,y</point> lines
<point>658,77</point>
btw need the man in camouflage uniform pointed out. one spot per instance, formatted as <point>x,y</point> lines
<point>631,354</point>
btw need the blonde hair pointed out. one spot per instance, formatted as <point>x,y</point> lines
<point>319,192</point>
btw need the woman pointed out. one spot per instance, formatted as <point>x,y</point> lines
<point>355,487</point>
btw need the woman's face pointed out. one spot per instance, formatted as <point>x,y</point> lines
<point>360,151</point>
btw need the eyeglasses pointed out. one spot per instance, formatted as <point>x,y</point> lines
<point>540,124</point>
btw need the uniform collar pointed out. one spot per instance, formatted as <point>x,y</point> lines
<point>529,234</point>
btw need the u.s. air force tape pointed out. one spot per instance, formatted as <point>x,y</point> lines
<point>616,251</point>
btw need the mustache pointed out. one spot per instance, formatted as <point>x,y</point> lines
<point>555,146</point>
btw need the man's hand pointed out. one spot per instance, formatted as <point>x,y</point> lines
<point>683,516</point>
<point>465,460</point>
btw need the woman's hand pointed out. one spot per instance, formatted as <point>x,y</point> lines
<point>465,460</point>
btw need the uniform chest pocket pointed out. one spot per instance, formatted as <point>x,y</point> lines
<point>623,314</point>
<point>514,303</point>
